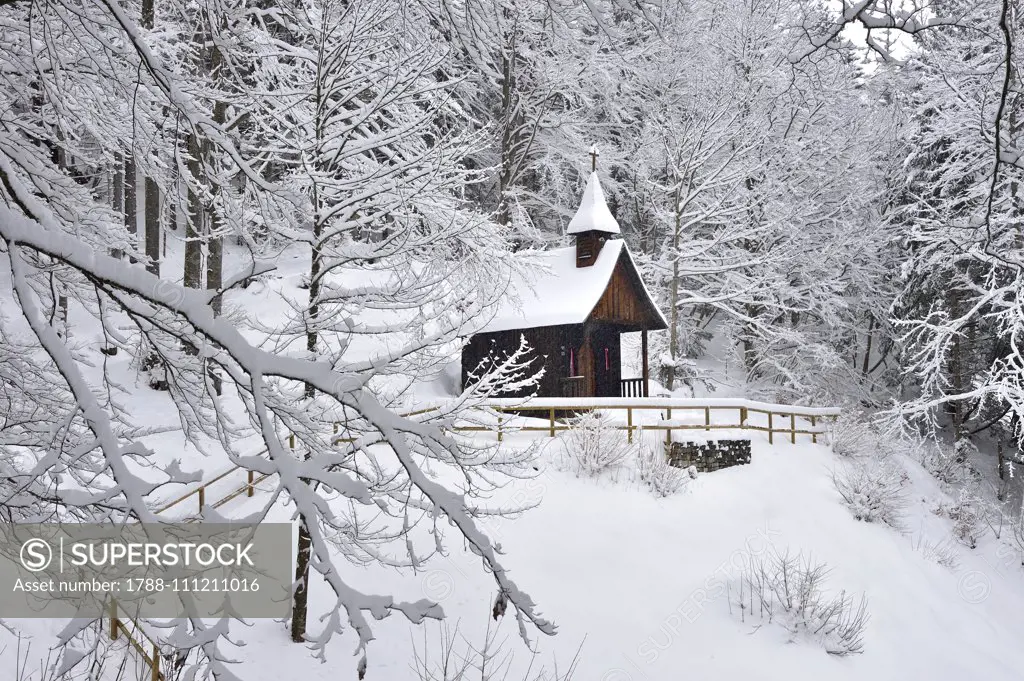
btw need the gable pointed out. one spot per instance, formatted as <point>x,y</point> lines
<point>626,301</point>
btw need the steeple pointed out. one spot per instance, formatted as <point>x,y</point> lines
<point>593,223</point>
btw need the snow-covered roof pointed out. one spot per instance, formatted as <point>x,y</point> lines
<point>557,292</point>
<point>593,212</point>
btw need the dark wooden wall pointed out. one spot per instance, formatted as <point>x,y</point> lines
<point>588,247</point>
<point>552,348</point>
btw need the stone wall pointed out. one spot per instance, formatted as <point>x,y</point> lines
<point>710,455</point>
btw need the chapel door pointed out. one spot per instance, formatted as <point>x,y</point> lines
<point>586,369</point>
<point>606,363</point>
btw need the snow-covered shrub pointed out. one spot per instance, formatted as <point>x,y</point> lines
<point>789,590</point>
<point>151,367</point>
<point>951,465</point>
<point>454,656</point>
<point>657,475</point>
<point>942,552</point>
<point>967,514</point>
<point>593,445</point>
<point>873,492</point>
<point>1017,534</point>
<point>853,435</point>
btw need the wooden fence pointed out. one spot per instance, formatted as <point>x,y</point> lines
<point>147,648</point>
<point>778,419</point>
<point>248,489</point>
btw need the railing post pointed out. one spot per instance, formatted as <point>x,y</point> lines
<point>771,436</point>
<point>113,619</point>
<point>792,428</point>
<point>202,498</point>
<point>814,435</point>
<point>552,415</point>
<point>252,475</point>
<point>743,417</point>
<point>499,429</point>
<point>156,663</point>
<point>629,425</point>
<point>668,431</point>
<point>707,418</point>
<point>291,440</point>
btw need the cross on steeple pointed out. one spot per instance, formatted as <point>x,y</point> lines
<point>593,158</point>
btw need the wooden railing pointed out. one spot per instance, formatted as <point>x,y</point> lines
<point>150,657</point>
<point>248,489</point>
<point>149,650</point>
<point>631,387</point>
<point>778,419</point>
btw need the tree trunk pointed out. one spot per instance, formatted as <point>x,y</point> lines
<point>511,129</point>
<point>866,366</point>
<point>316,255</point>
<point>193,274</point>
<point>646,371</point>
<point>117,196</point>
<point>956,368</point>
<point>214,278</point>
<point>314,297</point>
<point>673,298</point>
<point>151,212</point>
<point>130,207</point>
<point>300,598</point>
<point>215,247</point>
<point>152,221</point>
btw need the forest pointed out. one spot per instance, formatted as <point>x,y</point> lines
<point>828,196</point>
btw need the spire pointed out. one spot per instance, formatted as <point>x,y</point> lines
<point>593,213</point>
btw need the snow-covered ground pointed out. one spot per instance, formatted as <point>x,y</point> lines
<point>641,586</point>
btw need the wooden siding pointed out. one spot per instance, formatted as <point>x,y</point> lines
<point>625,302</point>
<point>549,350</point>
<point>590,350</point>
<point>588,246</point>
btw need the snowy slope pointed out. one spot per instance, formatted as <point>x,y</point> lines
<point>640,584</point>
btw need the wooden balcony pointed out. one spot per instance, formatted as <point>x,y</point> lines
<point>631,387</point>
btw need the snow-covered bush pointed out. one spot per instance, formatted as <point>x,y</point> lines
<point>1017,534</point>
<point>967,514</point>
<point>454,656</point>
<point>853,435</point>
<point>951,465</point>
<point>942,552</point>
<point>873,492</point>
<point>657,475</point>
<point>691,343</point>
<point>789,590</point>
<point>593,445</point>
